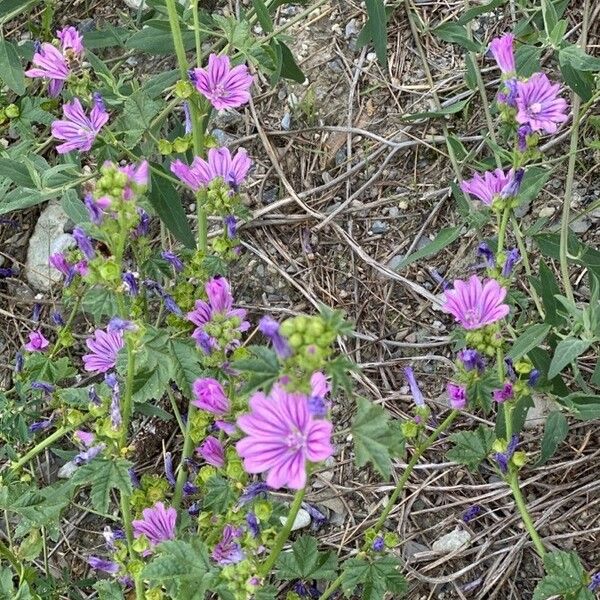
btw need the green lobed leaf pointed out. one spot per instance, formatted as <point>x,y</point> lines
<point>138,111</point>
<point>565,577</point>
<point>306,562</point>
<point>375,438</point>
<point>471,448</point>
<point>11,71</point>
<point>262,369</point>
<point>99,302</point>
<point>581,81</point>
<point>186,364</point>
<point>555,432</point>
<point>167,203</point>
<point>103,475</point>
<point>375,578</point>
<point>532,337</point>
<point>566,352</point>
<point>219,495</point>
<point>456,33</point>
<point>480,391</point>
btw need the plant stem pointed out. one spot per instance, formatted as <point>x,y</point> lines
<point>188,447</point>
<point>411,465</point>
<point>127,520</point>
<point>283,534</point>
<point>334,585</point>
<point>502,230</point>
<point>513,481</point>
<point>127,404</point>
<point>177,38</point>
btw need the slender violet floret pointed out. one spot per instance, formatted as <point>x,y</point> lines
<point>43,386</point>
<point>269,327</point>
<point>104,347</point>
<point>253,524</point>
<point>116,420</point>
<point>77,129</point>
<point>471,360</point>
<point>414,387</point>
<point>102,564</point>
<point>475,304</point>
<point>228,551</point>
<point>41,425</point>
<point>503,458</point>
<point>131,284</point>
<point>457,395</point>
<point>211,450</point>
<point>230,223</point>
<point>318,405</point>
<point>255,490</point>
<point>172,259</point>
<point>223,86</point>
<point>534,377</point>
<point>511,189</point>
<point>37,342</point>
<point>157,524</point>
<point>220,165</point>
<point>504,394</point>
<point>503,53</point>
<point>488,255</point>
<point>169,472</point>
<point>84,243</point>
<point>512,258</point>
<point>539,105</point>
<point>487,187</point>
<point>281,437</point>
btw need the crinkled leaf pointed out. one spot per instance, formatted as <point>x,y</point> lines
<point>480,391</point>
<point>138,111</point>
<point>565,577</point>
<point>186,365</point>
<point>306,562</point>
<point>103,475</point>
<point>41,367</point>
<point>99,302</point>
<point>108,590</point>
<point>262,368</point>
<point>218,495</point>
<point>375,578</point>
<point>471,448</point>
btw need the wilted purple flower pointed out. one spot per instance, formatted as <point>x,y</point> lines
<point>504,394</point>
<point>194,509</point>
<point>223,86</point>
<point>317,517</point>
<point>7,272</point>
<point>595,583</point>
<point>503,458</point>
<point>306,590</point>
<point>19,362</point>
<point>510,369</point>
<point>220,164</point>
<point>102,564</point>
<point>78,130</point>
<point>512,258</point>
<point>118,324</point>
<point>230,223</point>
<point>171,305</point>
<point>523,133</point>
<point>104,348</point>
<point>44,386</point>
<point>511,189</point>
<point>228,551</point>
<point>41,425</point>
<point>220,302</point>
<point>84,437</point>
<point>89,454</point>
<point>59,262</point>
<point>35,314</point>
<point>475,304</point>
<point>157,524</point>
<point>84,243</point>
<point>269,327</point>
<point>169,473</point>
<point>94,210</point>
<point>254,490</point>
<point>93,396</point>
<point>209,395</point>
<point>137,177</point>
<point>471,359</point>
<point>487,253</point>
<point>414,387</point>
<point>111,535</point>
<point>143,225</point>
<point>439,278</point>
<point>70,39</point>
<point>457,395</point>
<point>57,318</point>
<point>502,50</point>
<point>189,489</point>
<point>534,377</point>
<point>509,94</point>
<point>253,524</point>
<point>539,105</point>
<point>173,260</point>
<point>133,477</point>
<point>378,544</point>
<point>116,420</point>
<point>211,450</point>
<point>188,118</point>
<point>471,513</point>
<point>318,405</point>
<point>225,427</point>
<point>487,187</point>
<point>131,284</point>
<point>37,342</point>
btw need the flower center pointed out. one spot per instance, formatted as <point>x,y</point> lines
<point>296,440</point>
<point>219,91</point>
<point>471,317</point>
<point>535,108</point>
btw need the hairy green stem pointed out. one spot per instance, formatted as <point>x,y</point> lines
<point>334,585</point>
<point>188,448</point>
<point>513,481</point>
<point>283,534</point>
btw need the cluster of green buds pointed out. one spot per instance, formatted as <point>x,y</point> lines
<point>152,489</point>
<point>486,340</point>
<point>11,111</point>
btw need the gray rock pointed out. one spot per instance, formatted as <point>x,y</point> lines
<point>394,212</point>
<point>48,237</point>
<point>522,209</point>
<point>340,157</point>
<point>223,138</point>
<point>412,548</point>
<point>452,541</point>
<point>228,118</point>
<point>270,195</point>
<point>286,122</point>
<point>352,29</point>
<point>302,520</point>
<point>336,65</point>
<point>580,225</point>
<point>536,415</point>
<point>379,227</point>
<point>547,211</point>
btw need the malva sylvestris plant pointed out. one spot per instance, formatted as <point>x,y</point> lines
<point>254,420</point>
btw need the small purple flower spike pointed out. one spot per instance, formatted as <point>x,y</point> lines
<point>539,105</point>
<point>471,360</point>
<point>211,450</point>
<point>258,489</point>
<point>457,395</point>
<point>512,258</point>
<point>502,50</point>
<point>172,259</point>
<point>84,243</point>
<point>475,304</point>
<point>269,327</point>
<point>223,86</point>
<point>503,458</point>
<point>414,387</point>
<point>378,544</point>
<point>102,564</point>
<point>169,473</point>
<point>487,253</point>
<point>253,524</point>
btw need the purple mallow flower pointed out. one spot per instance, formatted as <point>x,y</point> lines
<point>457,394</point>
<point>172,259</point>
<point>104,348</point>
<point>143,225</point>
<point>475,304</point>
<point>111,536</point>
<point>137,176</point>
<point>471,360</point>
<point>87,455</point>
<point>223,86</point>
<point>258,489</point>
<point>37,342</point>
<point>228,551</point>
<point>167,299</point>
<point>94,209</point>
<point>269,327</point>
<point>538,104</point>
<point>157,524</point>
<point>523,134</point>
<point>503,458</point>
<point>595,583</point>
<point>378,544</point>
<point>57,318</point>
<point>84,243</point>
<point>414,387</point>
<point>502,50</point>
<point>211,450</point>
<point>209,395</point>
<point>220,164</point>
<point>102,564</point>
<point>512,258</point>
<point>504,394</point>
<point>281,437</point>
<point>78,130</point>
<point>487,187</point>
<point>220,302</point>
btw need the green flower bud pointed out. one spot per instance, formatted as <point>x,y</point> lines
<point>263,510</point>
<point>391,540</point>
<point>410,429</point>
<point>316,328</point>
<point>183,89</point>
<point>206,473</point>
<point>519,458</point>
<point>180,144</point>
<point>12,111</point>
<point>296,341</point>
<point>165,147</point>
<point>287,328</point>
